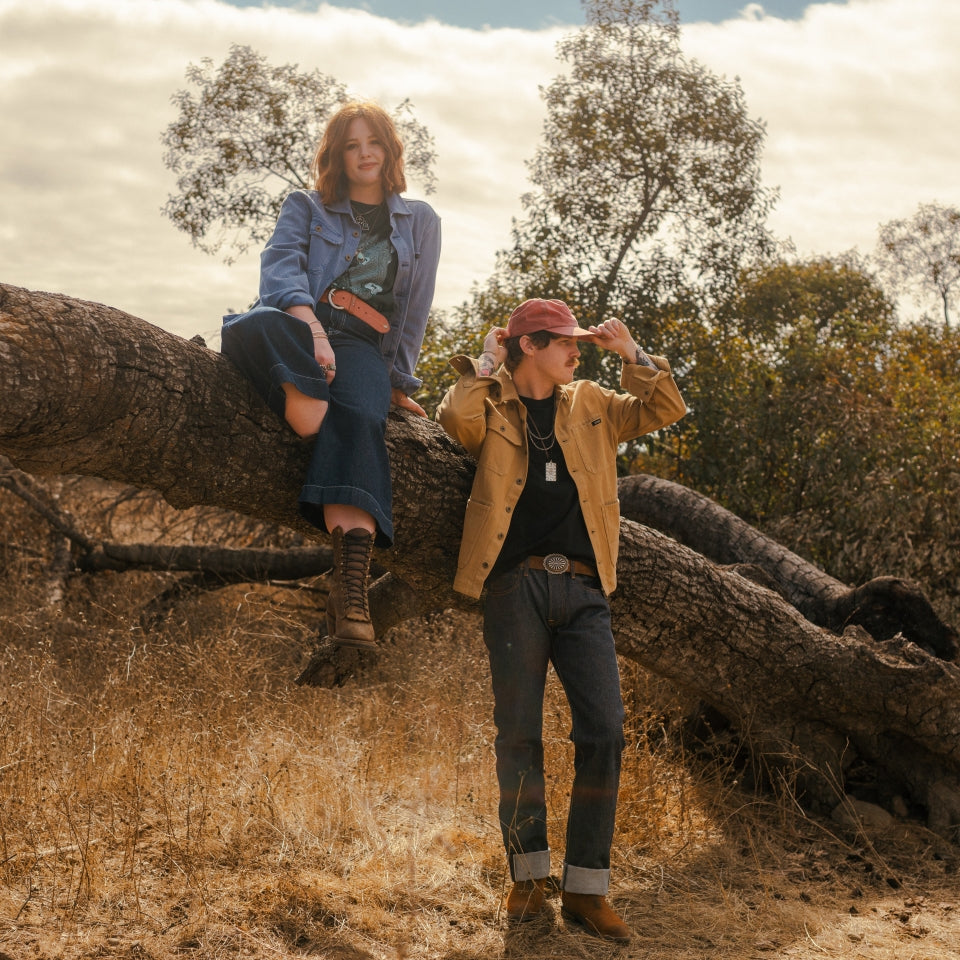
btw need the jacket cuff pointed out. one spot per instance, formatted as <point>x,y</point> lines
<point>640,380</point>
<point>402,381</point>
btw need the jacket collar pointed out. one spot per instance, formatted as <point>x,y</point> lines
<point>395,204</point>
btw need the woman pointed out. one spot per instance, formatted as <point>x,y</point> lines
<point>346,283</point>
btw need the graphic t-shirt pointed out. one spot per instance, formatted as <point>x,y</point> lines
<point>373,271</point>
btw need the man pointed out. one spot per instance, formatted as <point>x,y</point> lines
<point>541,536</point>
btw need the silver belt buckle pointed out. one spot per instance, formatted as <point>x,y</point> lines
<point>556,563</point>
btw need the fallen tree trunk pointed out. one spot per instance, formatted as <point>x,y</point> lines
<point>885,607</point>
<point>91,390</point>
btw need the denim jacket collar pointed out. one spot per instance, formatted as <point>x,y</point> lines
<point>396,204</point>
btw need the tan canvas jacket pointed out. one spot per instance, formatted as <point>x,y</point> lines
<point>487,417</point>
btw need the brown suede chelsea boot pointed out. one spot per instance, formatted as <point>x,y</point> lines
<point>595,915</point>
<point>525,900</point>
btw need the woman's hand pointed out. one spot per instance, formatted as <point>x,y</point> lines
<point>322,351</point>
<point>324,355</point>
<point>399,399</point>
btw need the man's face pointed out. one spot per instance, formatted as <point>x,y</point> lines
<point>557,361</point>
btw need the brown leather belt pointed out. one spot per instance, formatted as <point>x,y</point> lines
<point>352,304</point>
<point>558,563</point>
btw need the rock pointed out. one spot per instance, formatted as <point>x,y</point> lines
<point>858,815</point>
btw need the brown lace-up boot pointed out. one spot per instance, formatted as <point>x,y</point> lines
<point>348,608</point>
<point>595,915</point>
<point>525,900</point>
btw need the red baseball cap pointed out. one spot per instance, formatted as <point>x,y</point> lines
<point>553,316</point>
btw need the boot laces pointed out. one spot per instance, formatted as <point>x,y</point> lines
<point>355,564</point>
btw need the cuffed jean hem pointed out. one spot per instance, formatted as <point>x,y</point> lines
<point>530,866</point>
<point>582,880</point>
<point>280,373</point>
<point>313,499</point>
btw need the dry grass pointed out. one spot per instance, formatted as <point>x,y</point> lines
<point>168,791</point>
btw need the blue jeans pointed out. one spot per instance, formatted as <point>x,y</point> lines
<point>532,618</point>
<point>349,462</point>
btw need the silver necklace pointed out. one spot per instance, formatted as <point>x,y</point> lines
<point>544,443</point>
<point>367,225</point>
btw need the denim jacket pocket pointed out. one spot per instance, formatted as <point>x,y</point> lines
<point>326,239</point>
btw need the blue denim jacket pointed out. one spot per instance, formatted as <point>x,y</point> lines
<point>313,243</point>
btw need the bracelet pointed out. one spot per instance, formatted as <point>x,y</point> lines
<point>320,336</point>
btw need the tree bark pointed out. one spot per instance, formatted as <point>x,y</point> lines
<point>88,389</point>
<point>885,606</point>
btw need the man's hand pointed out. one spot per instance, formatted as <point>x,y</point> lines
<point>613,335</point>
<point>494,352</point>
<point>399,399</point>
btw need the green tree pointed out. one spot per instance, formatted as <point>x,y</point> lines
<point>821,420</point>
<point>789,389</point>
<point>647,197</point>
<point>923,252</point>
<point>903,515</point>
<point>246,137</point>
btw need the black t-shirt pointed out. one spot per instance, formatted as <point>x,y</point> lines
<point>547,517</point>
<point>373,271</point>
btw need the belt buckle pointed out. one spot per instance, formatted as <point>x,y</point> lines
<point>556,563</point>
<point>331,298</point>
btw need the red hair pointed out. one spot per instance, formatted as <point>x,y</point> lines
<point>327,170</point>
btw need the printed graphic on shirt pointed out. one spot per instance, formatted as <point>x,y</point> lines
<point>368,272</point>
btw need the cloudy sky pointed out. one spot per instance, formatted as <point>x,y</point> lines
<point>859,98</point>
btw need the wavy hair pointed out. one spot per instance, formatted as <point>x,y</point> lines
<point>539,338</point>
<point>327,169</point>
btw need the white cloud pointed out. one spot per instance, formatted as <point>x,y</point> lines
<point>860,105</point>
<point>85,92</point>
<point>857,99</point>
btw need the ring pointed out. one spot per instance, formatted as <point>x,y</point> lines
<point>332,367</point>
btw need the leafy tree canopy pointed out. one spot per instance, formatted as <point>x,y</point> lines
<point>923,252</point>
<point>647,181</point>
<point>245,138</point>
<point>782,393</point>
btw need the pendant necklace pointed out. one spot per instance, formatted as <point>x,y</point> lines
<point>544,443</point>
<point>374,216</point>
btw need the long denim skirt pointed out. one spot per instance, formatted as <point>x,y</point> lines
<point>349,463</point>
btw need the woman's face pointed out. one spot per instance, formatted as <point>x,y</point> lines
<point>363,158</point>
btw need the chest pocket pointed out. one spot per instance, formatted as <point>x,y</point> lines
<point>501,444</point>
<point>325,241</point>
<point>589,441</point>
